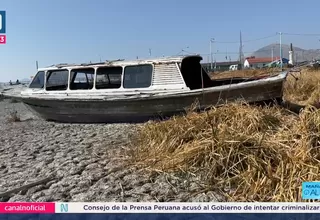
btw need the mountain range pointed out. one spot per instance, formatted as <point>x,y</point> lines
<point>299,53</point>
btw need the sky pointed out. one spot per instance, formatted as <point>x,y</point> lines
<point>70,31</point>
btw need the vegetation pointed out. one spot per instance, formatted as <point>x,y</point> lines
<point>244,73</point>
<point>249,153</point>
<point>301,87</point>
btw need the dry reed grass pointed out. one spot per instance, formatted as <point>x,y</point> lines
<point>303,88</point>
<point>244,73</point>
<point>250,153</point>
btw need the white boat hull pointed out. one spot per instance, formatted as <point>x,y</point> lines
<point>100,109</point>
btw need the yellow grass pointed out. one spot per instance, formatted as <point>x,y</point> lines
<point>244,73</point>
<point>260,153</point>
<point>303,88</point>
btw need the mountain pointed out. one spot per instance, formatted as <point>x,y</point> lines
<point>299,53</point>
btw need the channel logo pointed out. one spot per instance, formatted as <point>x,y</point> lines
<point>64,207</point>
<point>2,22</point>
<point>3,38</point>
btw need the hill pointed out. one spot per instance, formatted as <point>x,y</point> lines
<point>300,54</point>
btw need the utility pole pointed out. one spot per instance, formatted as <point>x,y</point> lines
<point>150,52</point>
<point>281,63</point>
<point>211,41</point>
<point>215,61</point>
<point>226,54</point>
<point>240,51</point>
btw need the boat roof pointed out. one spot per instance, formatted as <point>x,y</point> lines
<point>121,62</point>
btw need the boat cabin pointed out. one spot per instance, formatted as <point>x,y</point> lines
<point>171,73</point>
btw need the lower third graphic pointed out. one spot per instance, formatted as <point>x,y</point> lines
<point>64,207</point>
<point>311,190</point>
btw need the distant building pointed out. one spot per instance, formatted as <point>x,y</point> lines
<point>220,66</point>
<point>260,62</point>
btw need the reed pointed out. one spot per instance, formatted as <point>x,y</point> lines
<point>249,153</point>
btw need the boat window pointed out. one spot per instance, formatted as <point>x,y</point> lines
<point>139,76</point>
<point>57,80</point>
<point>38,81</point>
<point>108,77</point>
<point>81,79</point>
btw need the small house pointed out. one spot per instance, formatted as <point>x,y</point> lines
<point>260,62</point>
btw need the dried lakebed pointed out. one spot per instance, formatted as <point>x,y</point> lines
<point>75,162</point>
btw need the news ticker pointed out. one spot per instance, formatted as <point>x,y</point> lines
<point>127,207</point>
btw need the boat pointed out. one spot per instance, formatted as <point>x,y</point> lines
<point>122,91</point>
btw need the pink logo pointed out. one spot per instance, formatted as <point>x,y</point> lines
<point>27,207</point>
<point>3,39</point>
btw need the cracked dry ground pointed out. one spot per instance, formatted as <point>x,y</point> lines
<point>83,161</point>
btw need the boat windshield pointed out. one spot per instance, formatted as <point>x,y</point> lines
<point>38,81</point>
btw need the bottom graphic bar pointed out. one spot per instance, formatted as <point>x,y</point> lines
<point>162,216</point>
<point>27,207</point>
